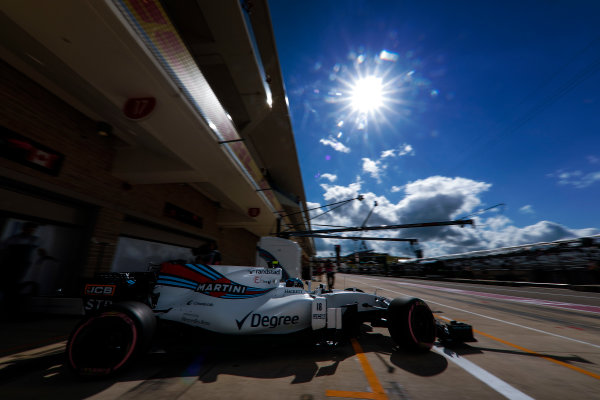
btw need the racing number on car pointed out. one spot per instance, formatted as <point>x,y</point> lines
<point>319,316</point>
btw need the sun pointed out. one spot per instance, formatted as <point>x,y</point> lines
<point>367,94</point>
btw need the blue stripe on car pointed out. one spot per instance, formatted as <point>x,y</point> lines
<point>176,278</point>
<point>176,284</point>
<point>208,272</point>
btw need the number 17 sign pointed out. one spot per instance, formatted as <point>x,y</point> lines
<point>139,107</point>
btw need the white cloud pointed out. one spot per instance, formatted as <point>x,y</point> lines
<point>496,223</point>
<point>589,179</point>
<point>436,198</point>
<point>527,209</point>
<point>449,197</point>
<point>329,177</point>
<point>373,168</point>
<point>406,149</point>
<point>576,179</point>
<point>566,176</point>
<point>335,193</point>
<point>388,153</point>
<point>402,151</point>
<point>543,231</point>
<point>395,189</point>
<point>335,144</point>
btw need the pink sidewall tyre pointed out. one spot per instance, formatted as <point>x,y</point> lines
<point>106,342</point>
<point>411,324</point>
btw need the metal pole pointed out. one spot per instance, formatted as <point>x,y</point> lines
<point>383,227</point>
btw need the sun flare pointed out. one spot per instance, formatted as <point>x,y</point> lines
<point>367,94</point>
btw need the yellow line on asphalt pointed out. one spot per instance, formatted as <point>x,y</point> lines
<point>378,392</point>
<point>351,395</point>
<point>32,345</point>
<point>33,353</point>
<point>516,346</point>
<point>564,364</point>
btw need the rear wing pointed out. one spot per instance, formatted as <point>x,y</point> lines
<point>107,288</point>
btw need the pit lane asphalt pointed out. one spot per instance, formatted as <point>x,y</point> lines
<point>527,347</point>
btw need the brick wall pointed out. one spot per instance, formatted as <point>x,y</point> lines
<point>237,246</point>
<point>103,242</point>
<point>31,111</point>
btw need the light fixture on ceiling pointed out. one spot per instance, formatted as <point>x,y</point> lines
<point>103,128</point>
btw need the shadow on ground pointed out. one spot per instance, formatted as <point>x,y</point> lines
<point>45,376</point>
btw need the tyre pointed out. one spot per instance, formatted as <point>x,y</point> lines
<point>411,324</point>
<point>106,342</point>
<point>350,321</point>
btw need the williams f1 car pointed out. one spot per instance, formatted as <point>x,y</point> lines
<point>126,311</point>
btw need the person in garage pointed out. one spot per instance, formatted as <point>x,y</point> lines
<point>209,254</point>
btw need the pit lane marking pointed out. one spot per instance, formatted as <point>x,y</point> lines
<point>489,379</point>
<point>378,391</point>
<point>564,364</point>
<point>516,346</point>
<point>581,370</point>
<point>538,302</point>
<point>542,290</point>
<point>34,345</point>
<point>32,353</point>
<point>492,318</point>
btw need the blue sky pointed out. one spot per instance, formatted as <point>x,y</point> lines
<point>480,103</point>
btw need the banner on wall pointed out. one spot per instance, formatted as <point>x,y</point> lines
<point>30,153</point>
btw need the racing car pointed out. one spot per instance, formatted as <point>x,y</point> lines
<point>125,311</point>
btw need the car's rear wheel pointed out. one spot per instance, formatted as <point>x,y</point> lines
<point>106,342</point>
<point>411,324</point>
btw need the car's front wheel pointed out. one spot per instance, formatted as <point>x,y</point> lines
<point>411,324</point>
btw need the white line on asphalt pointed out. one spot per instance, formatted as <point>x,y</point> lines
<point>492,318</point>
<point>523,300</point>
<point>541,289</point>
<point>484,376</point>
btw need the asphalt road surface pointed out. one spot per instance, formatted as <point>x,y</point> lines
<point>541,343</point>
